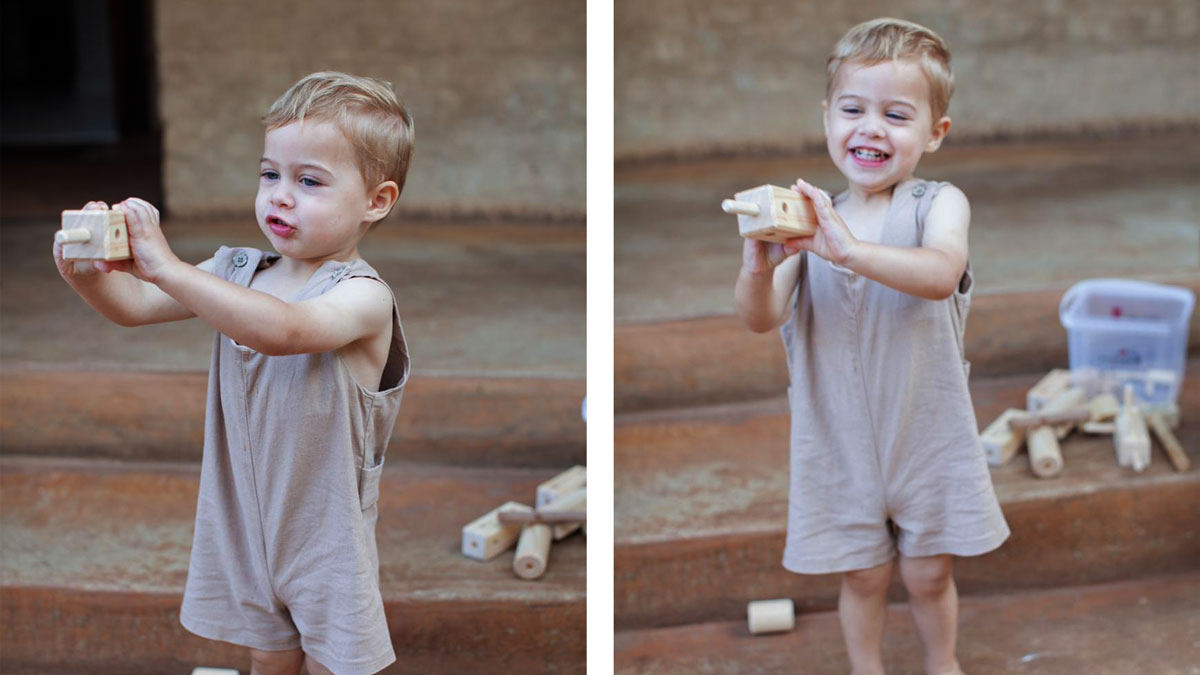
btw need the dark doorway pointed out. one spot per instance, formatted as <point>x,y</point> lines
<point>78,106</point>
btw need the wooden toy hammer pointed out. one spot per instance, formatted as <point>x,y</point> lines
<point>93,234</point>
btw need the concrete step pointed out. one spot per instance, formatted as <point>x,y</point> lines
<point>143,415</point>
<point>709,360</point>
<point>701,502</point>
<point>96,554</point>
<point>1143,626</point>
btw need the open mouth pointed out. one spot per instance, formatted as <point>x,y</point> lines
<point>279,226</point>
<point>869,156</point>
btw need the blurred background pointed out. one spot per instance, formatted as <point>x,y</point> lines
<point>102,426</point>
<point>1076,138</point>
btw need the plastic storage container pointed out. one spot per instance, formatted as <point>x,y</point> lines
<point>1129,332</point>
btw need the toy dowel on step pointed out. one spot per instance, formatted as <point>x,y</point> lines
<point>1170,443</point>
<point>552,517</point>
<point>772,213</point>
<point>533,551</point>
<point>771,616</point>
<point>1045,456</point>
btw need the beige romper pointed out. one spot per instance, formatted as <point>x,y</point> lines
<point>882,422</point>
<point>284,552</point>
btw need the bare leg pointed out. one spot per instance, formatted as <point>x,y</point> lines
<point>315,668</point>
<point>862,609</point>
<point>286,662</point>
<point>934,601</point>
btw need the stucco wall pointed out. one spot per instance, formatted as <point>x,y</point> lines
<point>695,78</point>
<point>497,89</point>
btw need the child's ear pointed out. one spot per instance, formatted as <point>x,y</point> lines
<point>940,129</point>
<point>825,115</point>
<point>383,198</point>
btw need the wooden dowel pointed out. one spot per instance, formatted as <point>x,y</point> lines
<point>533,551</point>
<point>740,208</point>
<point>72,236</point>
<point>771,616</point>
<point>1171,445</point>
<point>1036,420</point>
<point>1045,457</point>
<point>508,517</point>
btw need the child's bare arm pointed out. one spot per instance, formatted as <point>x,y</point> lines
<point>932,270</point>
<point>113,291</point>
<point>355,309</point>
<point>765,284</point>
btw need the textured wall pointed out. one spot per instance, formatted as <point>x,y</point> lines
<point>695,78</point>
<point>497,89</point>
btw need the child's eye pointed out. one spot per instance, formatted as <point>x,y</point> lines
<point>269,175</point>
<point>309,182</point>
<point>851,110</point>
<point>897,116</point>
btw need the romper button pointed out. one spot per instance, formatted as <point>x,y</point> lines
<point>240,259</point>
<point>919,191</point>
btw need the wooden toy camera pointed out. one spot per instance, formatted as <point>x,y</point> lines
<point>94,234</point>
<point>772,213</point>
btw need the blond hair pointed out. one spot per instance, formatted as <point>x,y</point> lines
<point>365,110</point>
<point>886,39</point>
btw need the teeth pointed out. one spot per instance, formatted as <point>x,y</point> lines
<point>864,153</point>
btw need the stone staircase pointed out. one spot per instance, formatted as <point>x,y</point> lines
<point>1102,572</point>
<point>102,431</point>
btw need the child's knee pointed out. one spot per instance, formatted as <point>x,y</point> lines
<point>872,581</point>
<point>927,576</point>
<point>286,662</point>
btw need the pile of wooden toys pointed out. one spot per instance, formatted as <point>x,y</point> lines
<point>1062,402</point>
<point>561,509</point>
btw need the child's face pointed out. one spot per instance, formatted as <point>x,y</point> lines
<point>312,203</point>
<point>878,123</point>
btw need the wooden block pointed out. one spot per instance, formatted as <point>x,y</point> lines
<point>1099,427</point>
<point>772,213</point>
<point>1000,443</point>
<point>486,537</point>
<point>563,484</point>
<point>1045,457</point>
<point>1054,383</point>
<point>533,551</point>
<point>576,501</point>
<point>1104,408</point>
<point>771,616</point>
<point>1171,445</point>
<point>1132,441</point>
<point>94,234</point>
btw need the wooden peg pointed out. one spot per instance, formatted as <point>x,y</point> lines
<point>486,537</point>
<point>540,516</point>
<point>1104,408</point>
<point>533,551</point>
<point>1070,399</point>
<point>93,234</point>
<point>772,213</point>
<point>1045,456</point>
<point>1132,441</point>
<point>561,485</point>
<point>1171,445</point>
<point>1027,421</point>
<point>576,501</point>
<point>771,616</point>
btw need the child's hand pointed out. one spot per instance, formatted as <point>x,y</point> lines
<point>151,254</point>
<point>86,268</point>
<point>762,257</point>
<point>832,240</point>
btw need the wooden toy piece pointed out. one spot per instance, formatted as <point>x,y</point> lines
<point>1000,442</point>
<point>563,484</point>
<point>1171,445</point>
<point>1169,412</point>
<point>1104,408</point>
<point>576,501</point>
<point>214,671</point>
<point>772,213</point>
<point>533,551</point>
<point>93,234</point>
<point>1070,399</point>
<point>486,537</point>
<point>1132,441</point>
<point>1028,421</point>
<point>1054,383</point>
<point>1045,456</point>
<point>771,616</point>
<point>549,517</point>
<point>1099,427</point>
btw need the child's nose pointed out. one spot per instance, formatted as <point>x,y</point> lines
<point>281,195</point>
